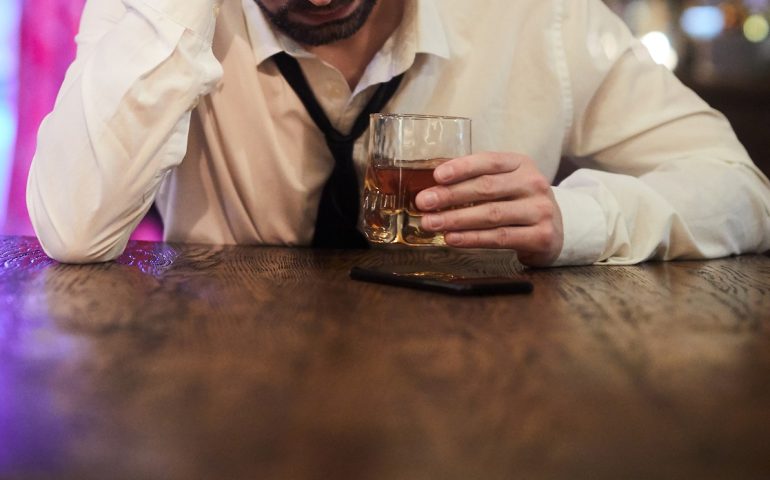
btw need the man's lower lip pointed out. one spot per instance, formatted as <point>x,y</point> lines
<point>323,17</point>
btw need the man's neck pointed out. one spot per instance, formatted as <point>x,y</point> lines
<point>352,55</point>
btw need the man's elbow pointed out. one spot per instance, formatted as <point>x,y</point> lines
<point>72,237</point>
<point>77,249</point>
<point>75,242</point>
<point>75,252</point>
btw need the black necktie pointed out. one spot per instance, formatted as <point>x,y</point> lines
<point>335,226</point>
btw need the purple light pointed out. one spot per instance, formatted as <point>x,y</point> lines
<point>757,5</point>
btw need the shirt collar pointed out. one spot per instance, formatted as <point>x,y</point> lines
<point>421,31</point>
<point>429,29</point>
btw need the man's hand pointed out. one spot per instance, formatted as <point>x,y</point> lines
<point>514,206</point>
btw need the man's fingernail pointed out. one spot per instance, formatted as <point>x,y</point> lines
<point>434,222</point>
<point>444,173</point>
<point>429,199</point>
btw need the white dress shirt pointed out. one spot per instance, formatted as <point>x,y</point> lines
<point>176,101</point>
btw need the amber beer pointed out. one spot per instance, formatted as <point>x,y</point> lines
<point>390,213</point>
<point>404,150</point>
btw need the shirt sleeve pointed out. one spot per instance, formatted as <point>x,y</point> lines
<point>681,185</point>
<point>120,122</point>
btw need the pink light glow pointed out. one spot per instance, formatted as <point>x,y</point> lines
<point>48,28</point>
<point>47,48</point>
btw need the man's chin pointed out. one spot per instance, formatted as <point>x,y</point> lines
<point>321,28</point>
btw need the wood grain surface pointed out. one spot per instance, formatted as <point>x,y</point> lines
<point>187,362</point>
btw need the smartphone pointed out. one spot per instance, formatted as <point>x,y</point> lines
<point>442,282</point>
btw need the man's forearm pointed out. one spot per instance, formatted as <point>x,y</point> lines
<point>681,186</point>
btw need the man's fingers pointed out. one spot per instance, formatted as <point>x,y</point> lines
<point>530,240</point>
<point>527,211</point>
<point>470,166</point>
<point>482,189</point>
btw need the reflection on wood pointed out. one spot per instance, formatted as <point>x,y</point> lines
<point>236,362</point>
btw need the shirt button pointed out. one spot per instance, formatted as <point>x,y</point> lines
<point>216,10</point>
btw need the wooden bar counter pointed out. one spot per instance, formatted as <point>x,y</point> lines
<point>197,362</point>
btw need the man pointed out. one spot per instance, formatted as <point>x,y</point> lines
<point>182,102</point>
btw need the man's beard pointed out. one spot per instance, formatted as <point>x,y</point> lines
<point>324,33</point>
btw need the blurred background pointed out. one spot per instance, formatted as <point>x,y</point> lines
<point>720,48</point>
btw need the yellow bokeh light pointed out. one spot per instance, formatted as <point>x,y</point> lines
<point>756,28</point>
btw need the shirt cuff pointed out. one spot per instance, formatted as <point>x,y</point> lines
<point>198,16</point>
<point>585,227</point>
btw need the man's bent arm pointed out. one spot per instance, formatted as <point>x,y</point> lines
<point>120,122</point>
<point>681,185</point>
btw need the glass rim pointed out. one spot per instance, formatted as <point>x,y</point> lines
<point>417,116</point>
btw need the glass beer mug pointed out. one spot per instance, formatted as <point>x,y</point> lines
<point>403,152</point>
